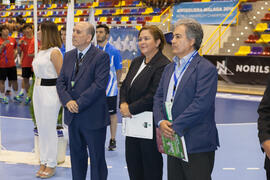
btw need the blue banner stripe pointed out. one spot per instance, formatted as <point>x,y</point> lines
<point>205,12</point>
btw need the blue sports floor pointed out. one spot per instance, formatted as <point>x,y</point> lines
<point>238,158</point>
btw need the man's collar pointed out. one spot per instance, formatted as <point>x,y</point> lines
<point>85,50</point>
<point>183,60</point>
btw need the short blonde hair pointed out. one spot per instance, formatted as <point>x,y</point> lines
<point>49,35</point>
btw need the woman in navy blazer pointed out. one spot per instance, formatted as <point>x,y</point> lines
<point>144,162</point>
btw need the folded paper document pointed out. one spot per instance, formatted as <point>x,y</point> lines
<point>140,125</point>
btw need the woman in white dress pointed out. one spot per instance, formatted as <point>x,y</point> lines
<point>47,65</point>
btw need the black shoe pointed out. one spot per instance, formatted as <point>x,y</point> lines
<point>112,145</point>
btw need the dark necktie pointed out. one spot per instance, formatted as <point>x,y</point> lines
<point>79,60</point>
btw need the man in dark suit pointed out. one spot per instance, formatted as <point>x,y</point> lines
<point>189,85</point>
<point>264,127</point>
<point>82,90</point>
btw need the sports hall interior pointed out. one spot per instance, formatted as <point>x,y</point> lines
<point>239,46</point>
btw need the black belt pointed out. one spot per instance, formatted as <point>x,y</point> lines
<point>45,82</point>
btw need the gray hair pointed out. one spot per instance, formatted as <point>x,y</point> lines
<point>90,29</point>
<point>193,31</point>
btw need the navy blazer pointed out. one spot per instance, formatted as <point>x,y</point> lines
<point>89,90</point>
<point>264,120</point>
<point>264,115</point>
<point>139,96</point>
<point>193,110</point>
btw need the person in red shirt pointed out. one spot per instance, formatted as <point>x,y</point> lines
<point>26,62</point>
<point>8,52</point>
<point>31,48</point>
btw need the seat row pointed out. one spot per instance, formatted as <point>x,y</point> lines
<point>262,27</point>
<point>80,12</point>
<point>123,3</point>
<point>253,38</point>
<point>266,17</point>
<point>248,0</point>
<point>129,11</point>
<point>254,51</point>
<point>99,20</point>
<point>128,20</point>
<point>245,7</point>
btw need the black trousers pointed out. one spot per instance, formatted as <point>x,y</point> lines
<point>268,175</point>
<point>267,167</point>
<point>199,167</point>
<point>144,162</point>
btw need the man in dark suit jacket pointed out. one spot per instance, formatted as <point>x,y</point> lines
<point>190,86</point>
<point>82,90</point>
<point>264,127</point>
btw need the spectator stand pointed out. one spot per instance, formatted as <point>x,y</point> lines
<point>124,13</point>
<point>252,30</point>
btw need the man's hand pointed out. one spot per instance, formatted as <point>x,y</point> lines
<point>72,106</point>
<point>125,110</point>
<point>266,147</point>
<point>166,129</point>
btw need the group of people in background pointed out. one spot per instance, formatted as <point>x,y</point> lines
<point>85,82</point>
<point>10,51</point>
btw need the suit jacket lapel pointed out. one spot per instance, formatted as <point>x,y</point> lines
<point>135,70</point>
<point>148,67</point>
<point>187,74</point>
<point>72,63</point>
<point>88,57</point>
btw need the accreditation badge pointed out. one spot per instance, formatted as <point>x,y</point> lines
<point>72,83</point>
<point>168,107</point>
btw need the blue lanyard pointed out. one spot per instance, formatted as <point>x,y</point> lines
<point>177,78</point>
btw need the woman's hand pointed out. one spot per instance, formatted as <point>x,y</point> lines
<point>125,110</point>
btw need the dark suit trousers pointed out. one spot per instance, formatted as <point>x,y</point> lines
<point>144,162</point>
<point>199,167</point>
<point>267,167</point>
<point>82,138</point>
